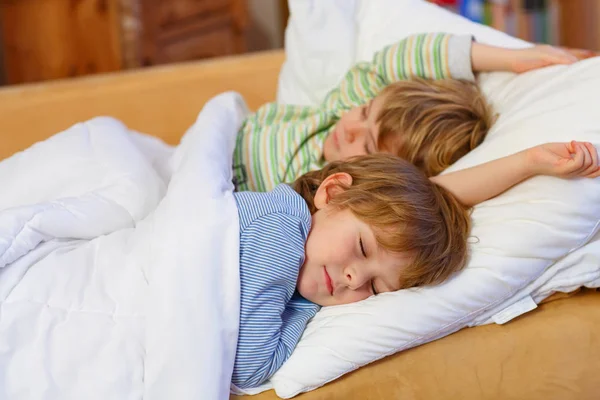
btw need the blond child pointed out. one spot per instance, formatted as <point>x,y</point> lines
<point>360,227</point>
<point>382,106</point>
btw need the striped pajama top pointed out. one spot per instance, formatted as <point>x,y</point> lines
<point>268,139</point>
<point>274,227</point>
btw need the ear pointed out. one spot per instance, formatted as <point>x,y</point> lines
<point>330,187</point>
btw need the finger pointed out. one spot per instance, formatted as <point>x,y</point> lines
<point>593,152</point>
<point>581,54</point>
<point>594,175</point>
<point>576,162</point>
<point>587,160</point>
<point>562,60</point>
<point>564,56</point>
<point>594,159</point>
<point>550,55</point>
<point>590,170</point>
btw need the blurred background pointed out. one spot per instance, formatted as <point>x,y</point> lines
<point>53,39</point>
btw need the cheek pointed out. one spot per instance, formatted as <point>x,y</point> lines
<point>314,244</point>
<point>327,244</point>
<point>349,118</point>
<point>307,283</point>
<point>352,296</point>
<point>320,250</point>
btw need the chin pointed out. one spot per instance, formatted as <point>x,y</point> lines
<point>310,294</point>
<point>319,303</point>
<point>314,299</point>
<point>307,294</point>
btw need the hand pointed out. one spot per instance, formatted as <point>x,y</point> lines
<point>565,160</point>
<point>540,56</point>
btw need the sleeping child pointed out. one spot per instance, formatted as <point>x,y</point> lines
<point>417,99</point>
<point>357,228</point>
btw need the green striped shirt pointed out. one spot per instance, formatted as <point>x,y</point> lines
<point>265,153</point>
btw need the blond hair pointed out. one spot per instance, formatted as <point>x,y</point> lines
<point>433,123</point>
<point>407,212</point>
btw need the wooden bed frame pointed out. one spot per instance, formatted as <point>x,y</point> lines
<point>162,101</point>
<point>551,353</point>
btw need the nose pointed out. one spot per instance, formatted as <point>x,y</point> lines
<point>354,131</point>
<point>354,277</point>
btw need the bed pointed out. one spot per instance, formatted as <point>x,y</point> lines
<point>550,353</point>
<point>162,101</point>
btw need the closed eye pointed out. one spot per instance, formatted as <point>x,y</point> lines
<point>362,248</point>
<point>375,293</point>
<point>364,112</point>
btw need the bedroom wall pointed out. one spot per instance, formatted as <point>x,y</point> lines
<point>53,39</point>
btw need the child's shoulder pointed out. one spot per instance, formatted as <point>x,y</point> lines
<point>282,204</point>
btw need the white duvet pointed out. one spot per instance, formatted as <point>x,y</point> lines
<point>119,270</point>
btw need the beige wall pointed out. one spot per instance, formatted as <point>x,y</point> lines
<point>266,27</point>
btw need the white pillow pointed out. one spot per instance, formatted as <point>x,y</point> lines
<point>319,49</point>
<point>521,234</point>
<point>324,39</point>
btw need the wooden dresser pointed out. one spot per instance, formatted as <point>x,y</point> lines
<point>182,30</point>
<point>89,36</point>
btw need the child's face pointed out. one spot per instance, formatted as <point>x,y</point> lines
<point>355,134</point>
<point>344,263</point>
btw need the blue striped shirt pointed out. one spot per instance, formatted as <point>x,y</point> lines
<point>274,227</point>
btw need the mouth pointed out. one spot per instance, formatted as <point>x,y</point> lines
<point>328,282</point>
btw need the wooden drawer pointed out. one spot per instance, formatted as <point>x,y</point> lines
<point>173,12</point>
<point>213,43</point>
<point>181,30</point>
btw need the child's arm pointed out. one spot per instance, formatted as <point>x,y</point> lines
<point>491,58</point>
<point>271,320</point>
<point>438,56</point>
<point>474,185</point>
<point>425,55</point>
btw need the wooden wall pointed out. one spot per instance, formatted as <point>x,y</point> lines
<point>580,23</point>
<point>59,38</point>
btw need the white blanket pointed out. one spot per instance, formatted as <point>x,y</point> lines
<point>119,261</point>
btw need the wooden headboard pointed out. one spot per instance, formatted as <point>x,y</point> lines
<point>162,101</point>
